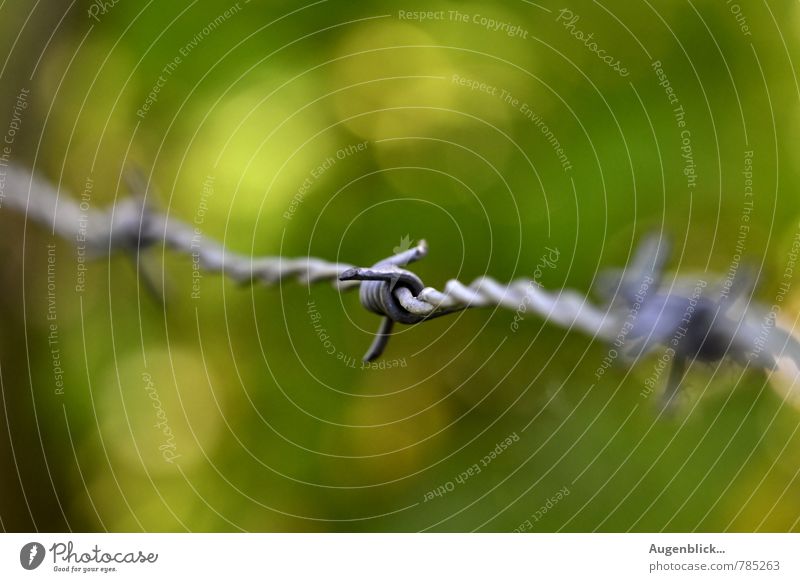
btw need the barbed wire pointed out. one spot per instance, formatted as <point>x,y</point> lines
<point>132,224</point>
<point>637,316</point>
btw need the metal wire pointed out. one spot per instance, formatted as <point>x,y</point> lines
<point>400,296</point>
<point>397,294</point>
<point>132,225</point>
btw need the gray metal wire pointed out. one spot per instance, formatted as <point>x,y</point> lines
<point>131,225</point>
<point>712,332</point>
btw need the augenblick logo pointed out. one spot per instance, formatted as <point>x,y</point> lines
<point>31,555</point>
<point>67,558</point>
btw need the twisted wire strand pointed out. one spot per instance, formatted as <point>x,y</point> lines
<point>131,225</point>
<point>565,308</point>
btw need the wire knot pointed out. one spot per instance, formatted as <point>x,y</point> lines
<point>378,292</point>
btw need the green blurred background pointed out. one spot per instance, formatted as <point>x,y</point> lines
<point>272,432</point>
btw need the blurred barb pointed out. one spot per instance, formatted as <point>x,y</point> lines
<point>693,327</point>
<point>643,273</point>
